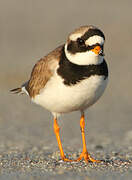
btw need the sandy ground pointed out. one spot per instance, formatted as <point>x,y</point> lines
<point>28,148</point>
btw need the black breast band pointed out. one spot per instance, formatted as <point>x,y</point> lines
<point>73,73</point>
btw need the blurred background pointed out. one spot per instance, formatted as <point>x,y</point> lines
<point>28,31</point>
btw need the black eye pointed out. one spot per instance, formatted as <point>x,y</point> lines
<point>80,42</point>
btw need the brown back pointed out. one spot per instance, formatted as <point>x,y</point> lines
<point>42,72</point>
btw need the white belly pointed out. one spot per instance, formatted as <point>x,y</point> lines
<point>59,98</point>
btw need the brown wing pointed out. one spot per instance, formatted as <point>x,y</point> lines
<point>42,72</point>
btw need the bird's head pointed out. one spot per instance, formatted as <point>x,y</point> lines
<point>85,46</point>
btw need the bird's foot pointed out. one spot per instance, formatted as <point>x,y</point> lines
<point>66,159</point>
<point>87,158</point>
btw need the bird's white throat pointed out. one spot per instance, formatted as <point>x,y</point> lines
<point>83,58</point>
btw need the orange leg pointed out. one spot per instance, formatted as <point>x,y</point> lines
<point>56,130</point>
<point>85,153</point>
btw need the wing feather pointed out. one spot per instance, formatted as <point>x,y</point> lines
<point>42,72</point>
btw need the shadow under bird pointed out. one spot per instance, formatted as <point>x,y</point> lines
<point>70,78</point>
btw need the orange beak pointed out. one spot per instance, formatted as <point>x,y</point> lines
<point>97,50</point>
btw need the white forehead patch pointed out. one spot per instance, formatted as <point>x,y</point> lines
<point>95,39</point>
<point>74,37</point>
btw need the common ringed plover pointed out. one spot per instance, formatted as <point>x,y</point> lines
<point>70,78</point>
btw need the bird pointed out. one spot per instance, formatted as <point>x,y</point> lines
<point>70,78</point>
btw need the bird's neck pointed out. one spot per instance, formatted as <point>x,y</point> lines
<point>73,73</point>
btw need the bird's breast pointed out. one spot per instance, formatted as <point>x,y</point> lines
<point>61,98</point>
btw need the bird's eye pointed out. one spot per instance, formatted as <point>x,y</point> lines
<point>80,42</point>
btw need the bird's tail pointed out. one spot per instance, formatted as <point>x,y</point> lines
<point>20,90</point>
<point>17,91</point>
